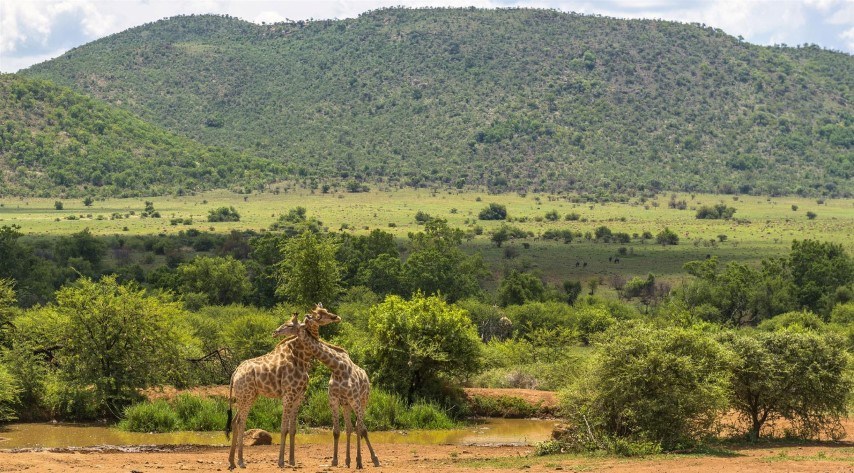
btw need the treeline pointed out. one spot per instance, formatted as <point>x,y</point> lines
<point>615,106</point>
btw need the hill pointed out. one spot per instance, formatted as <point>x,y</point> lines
<point>56,142</point>
<point>512,99</point>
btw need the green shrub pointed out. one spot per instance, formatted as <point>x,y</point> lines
<point>157,416</point>
<point>265,414</point>
<point>422,415</point>
<point>70,401</point>
<point>9,391</point>
<point>505,406</point>
<point>200,413</point>
<point>666,386</point>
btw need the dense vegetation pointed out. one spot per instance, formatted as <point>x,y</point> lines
<point>511,99</point>
<point>55,142</point>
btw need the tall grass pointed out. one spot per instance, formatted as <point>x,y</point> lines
<point>190,412</point>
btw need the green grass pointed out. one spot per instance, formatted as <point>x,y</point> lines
<point>773,224</point>
<point>190,412</point>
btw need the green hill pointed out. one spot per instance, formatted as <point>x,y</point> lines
<point>57,142</point>
<point>513,99</point>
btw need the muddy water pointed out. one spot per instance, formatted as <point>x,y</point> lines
<point>489,432</point>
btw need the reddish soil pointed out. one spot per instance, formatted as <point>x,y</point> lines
<point>531,396</point>
<point>399,458</point>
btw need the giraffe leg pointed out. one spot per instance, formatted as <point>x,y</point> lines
<point>239,435</point>
<point>293,428</point>
<point>348,424</point>
<point>362,430</point>
<point>235,431</point>
<point>284,434</point>
<point>358,444</point>
<point>336,430</point>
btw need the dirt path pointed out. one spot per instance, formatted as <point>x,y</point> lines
<point>444,458</point>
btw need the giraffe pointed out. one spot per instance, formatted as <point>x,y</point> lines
<point>349,387</point>
<point>282,373</point>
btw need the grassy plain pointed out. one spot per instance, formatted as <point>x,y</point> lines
<point>773,224</point>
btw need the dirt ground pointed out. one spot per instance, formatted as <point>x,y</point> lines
<point>397,458</point>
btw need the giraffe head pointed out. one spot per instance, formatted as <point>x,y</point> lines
<point>323,316</point>
<point>288,329</point>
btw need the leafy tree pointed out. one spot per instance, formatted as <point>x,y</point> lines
<point>222,279</point>
<point>420,344</point>
<point>9,392</point>
<point>120,339</point>
<point>82,245</point>
<point>88,201</point>
<point>437,265</point>
<point>308,272</point>
<point>493,212</point>
<point>572,290</point>
<point>797,376</point>
<point>33,277</point>
<point>383,275</point>
<point>223,214</point>
<point>57,205</point>
<point>519,287</point>
<point>811,215</point>
<point>602,233</point>
<point>667,237</point>
<point>7,303</point>
<point>667,386</point>
<point>817,270</point>
<point>717,211</point>
<point>248,335</point>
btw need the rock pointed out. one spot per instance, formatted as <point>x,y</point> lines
<point>257,437</point>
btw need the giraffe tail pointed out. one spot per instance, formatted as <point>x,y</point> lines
<point>229,416</point>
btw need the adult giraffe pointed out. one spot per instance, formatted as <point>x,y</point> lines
<point>349,386</point>
<point>282,373</point>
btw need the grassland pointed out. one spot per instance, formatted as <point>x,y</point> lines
<point>763,226</point>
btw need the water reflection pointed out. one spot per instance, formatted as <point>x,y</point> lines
<point>490,431</point>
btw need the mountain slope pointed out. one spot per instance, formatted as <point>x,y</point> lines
<point>514,99</point>
<point>54,141</point>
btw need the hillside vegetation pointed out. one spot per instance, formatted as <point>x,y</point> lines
<point>512,99</point>
<point>56,142</point>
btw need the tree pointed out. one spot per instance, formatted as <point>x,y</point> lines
<point>119,339</point>
<point>667,237</point>
<point>666,386</point>
<point>437,265</point>
<point>519,287</point>
<point>817,270</point>
<point>421,343</point>
<point>9,392</point>
<point>222,279</point>
<point>223,214</point>
<point>58,205</point>
<point>88,201</point>
<point>718,211</point>
<point>493,212</point>
<point>798,376</point>
<point>81,245</point>
<point>7,303</point>
<point>308,272</point>
<point>32,275</point>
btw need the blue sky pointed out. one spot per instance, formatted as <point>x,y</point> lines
<point>32,31</point>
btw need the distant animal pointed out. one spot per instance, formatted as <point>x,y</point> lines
<point>616,260</point>
<point>577,264</point>
<point>585,264</point>
<point>610,258</point>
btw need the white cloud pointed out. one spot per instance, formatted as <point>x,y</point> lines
<point>848,37</point>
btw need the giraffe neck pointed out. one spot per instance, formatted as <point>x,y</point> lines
<point>296,349</point>
<point>320,350</point>
<point>314,330</point>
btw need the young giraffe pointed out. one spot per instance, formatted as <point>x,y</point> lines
<point>282,373</point>
<point>349,388</point>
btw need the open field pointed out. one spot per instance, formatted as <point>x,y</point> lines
<point>763,226</point>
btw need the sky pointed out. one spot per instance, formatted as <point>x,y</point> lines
<point>32,31</point>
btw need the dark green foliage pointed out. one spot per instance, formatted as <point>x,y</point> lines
<point>797,376</point>
<point>667,237</point>
<point>565,235</point>
<point>308,272</point>
<point>665,386</point>
<point>612,104</point>
<point>717,211</point>
<point>223,280</point>
<point>32,275</point>
<point>54,141</point>
<point>817,270</point>
<point>493,212</point>
<point>508,407</point>
<point>420,344</point>
<point>223,214</point>
<point>519,287</point>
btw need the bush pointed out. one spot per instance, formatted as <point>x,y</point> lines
<point>664,386</point>
<point>667,237</point>
<point>9,391</point>
<point>719,211</point>
<point>493,212</point>
<point>157,416</point>
<point>223,214</point>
